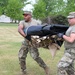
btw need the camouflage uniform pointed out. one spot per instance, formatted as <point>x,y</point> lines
<point>66,64</point>
<point>27,46</point>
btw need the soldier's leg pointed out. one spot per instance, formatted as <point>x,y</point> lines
<point>70,70</point>
<point>64,64</point>
<point>35,55</point>
<point>22,56</point>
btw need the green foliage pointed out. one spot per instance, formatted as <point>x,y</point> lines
<point>43,8</point>
<point>70,6</point>
<point>49,6</point>
<point>39,10</point>
<point>14,9</point>
<point>58,19</point>
<point>54,7</point>
<point>0,10</point>
<point>58,7</point>
<point>3,4</point>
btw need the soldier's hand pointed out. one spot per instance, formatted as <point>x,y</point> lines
<point>28,38</point>
<point>60,35</point>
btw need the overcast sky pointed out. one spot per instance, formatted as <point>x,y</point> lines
<point>29,6</point>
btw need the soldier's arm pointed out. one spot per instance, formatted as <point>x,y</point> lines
<point>20,30</point>
<point>71,38</point>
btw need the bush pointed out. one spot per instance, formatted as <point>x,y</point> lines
<point>59,19</point>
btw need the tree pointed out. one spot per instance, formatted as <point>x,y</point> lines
<point>70,6</point>
<point>58,7</point>
<point>3,4</point>
<point>39,10</point>
<point>48,7</point>
<point>53,7</point>
<point>0,10</point>
<point>14,9</point>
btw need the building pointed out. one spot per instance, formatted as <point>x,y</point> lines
<point>5,19</point>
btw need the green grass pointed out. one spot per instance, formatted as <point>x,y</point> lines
<point>10,42</point>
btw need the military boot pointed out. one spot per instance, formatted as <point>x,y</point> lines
<point>47,71</point>
<point>24,72</point>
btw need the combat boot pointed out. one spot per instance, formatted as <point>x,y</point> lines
<point>47,71</point>
<point>24,72</point>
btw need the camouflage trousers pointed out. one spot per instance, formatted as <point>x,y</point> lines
<point>66,64</point>
<point>28,47</point>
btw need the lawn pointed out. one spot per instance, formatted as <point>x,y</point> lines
<point>10,42</point>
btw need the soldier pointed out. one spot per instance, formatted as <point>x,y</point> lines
<point>27,45</point>
<point>65,65</point>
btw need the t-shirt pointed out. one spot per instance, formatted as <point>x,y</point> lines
<point>70,30</point>
<point>27,24</point>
